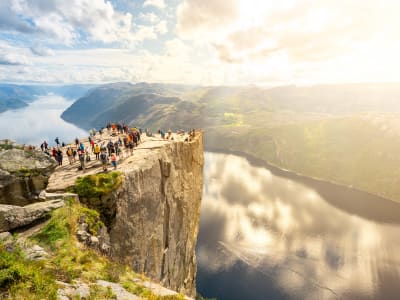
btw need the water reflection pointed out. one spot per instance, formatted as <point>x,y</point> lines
<point>39,121</point>
<point>263,236</point>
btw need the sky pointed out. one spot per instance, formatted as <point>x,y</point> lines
<point>206,42</point>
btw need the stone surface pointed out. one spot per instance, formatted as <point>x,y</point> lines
<point>157,214</point>
<point>36,253</point>
<point>7,240</point>
<point>12,216</point>
<point>118,290</point>
<point>23,175</point>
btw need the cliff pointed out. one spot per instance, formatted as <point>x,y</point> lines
<point>153,215</point>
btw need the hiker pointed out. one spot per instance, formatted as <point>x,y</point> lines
<point>70,155</point>
<point>54,153</point>
<point>81,155</point>
<point>81,147</point>
<point>97,151</point>
<point>62,145</point>
<point>57,141</point>
<point>74,155</point>
<point>131,147</point>
<point>46,146</point>
<point>104,159</point>
<point>76,142</point>
<point>109,146</point>
<point>114,161</point>
<point>162,134</point>
<point>59,157</point>
<point>169,134</point>
<point>42,147</point>
<point>87,156</point>
<point>92,145</point>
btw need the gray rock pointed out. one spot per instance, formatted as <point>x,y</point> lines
<point>12,216</point>
<point>83,236</point>
<point>82,290</point>
<point>158,208</point>
<point>36,253</point>
<point>23,175</point>
<point>14,160</point>
<point>94,241</point>
<point>7,240</point>
<point>118,290</point>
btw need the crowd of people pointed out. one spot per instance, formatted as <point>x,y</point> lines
<point>120,141</point>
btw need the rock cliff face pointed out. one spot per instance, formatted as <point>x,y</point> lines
<point>157,214</point>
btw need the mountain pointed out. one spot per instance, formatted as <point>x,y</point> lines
<point>349,134</point>
<point>14,96</point>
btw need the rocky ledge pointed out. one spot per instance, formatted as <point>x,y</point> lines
<point>23,174</point>
<point>153,215</point>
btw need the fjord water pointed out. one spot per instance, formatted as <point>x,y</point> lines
<point>272,235</point>
<point>39,121</point>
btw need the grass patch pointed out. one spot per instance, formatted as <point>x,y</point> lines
<point>97,185</point>
<point>92,218</point>
<point>145,293</point>
<point>24,279</point>
<point>56,231</point>
<point>100,292</point>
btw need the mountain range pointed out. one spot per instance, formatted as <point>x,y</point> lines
<point>348,134</point>
<point>13,96</point>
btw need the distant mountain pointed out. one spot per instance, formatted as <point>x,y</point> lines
<point>14,96</point>
<point>349,133</point>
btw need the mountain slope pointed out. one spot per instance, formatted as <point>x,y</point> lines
<point>343,133</point>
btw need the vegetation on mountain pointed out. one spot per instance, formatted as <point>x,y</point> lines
<point>342,133</point>
<point>22,278</point>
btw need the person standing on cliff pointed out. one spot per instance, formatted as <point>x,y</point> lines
<point>114,160</point>
<point>104,159</point>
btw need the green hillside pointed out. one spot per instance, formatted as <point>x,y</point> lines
<point>349,134</point>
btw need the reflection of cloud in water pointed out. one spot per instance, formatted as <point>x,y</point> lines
<point>39,121</point>
<point>288,232</point>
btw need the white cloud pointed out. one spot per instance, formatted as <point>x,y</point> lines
<point>161,27</point>
<point>13,56</point>
<point>149,17</point>
<point>59,21</point>
<point>41,50</point>
<point>156,3</point>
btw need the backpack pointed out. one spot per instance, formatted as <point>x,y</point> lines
<point>103,157</point>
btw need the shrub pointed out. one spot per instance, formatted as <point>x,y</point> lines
<point>97,185</point>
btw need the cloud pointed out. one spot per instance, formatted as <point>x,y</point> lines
<point>149,17</point>
<point>249,30</point>
<point>12,60</point>
<point>41,50</point>
<point>156,3</point>
<point>161,27</point>
<point>71,22</point>
<point>13,56</point>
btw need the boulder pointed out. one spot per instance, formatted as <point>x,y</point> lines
<point>36,253</point>
<point>23,175</point>
<point>12,216</point>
